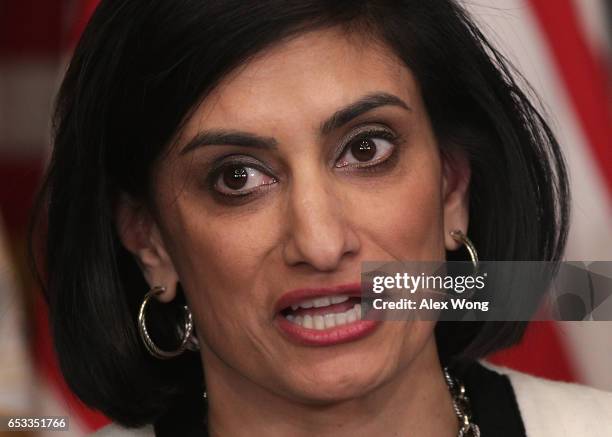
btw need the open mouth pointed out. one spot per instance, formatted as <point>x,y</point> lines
<point>324,312</point>
<point>323,317</point>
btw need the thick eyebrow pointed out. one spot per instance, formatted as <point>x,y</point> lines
<point>228,138</point>
<point>361,106</point>
<point>337,120</point>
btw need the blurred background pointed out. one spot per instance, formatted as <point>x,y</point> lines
<point>563,47</point>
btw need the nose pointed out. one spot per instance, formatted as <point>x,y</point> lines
<point>319,233</point>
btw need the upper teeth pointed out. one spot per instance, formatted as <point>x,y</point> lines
<point>320,302</point>
<point>320,321</point>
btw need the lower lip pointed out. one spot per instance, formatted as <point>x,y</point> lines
<point>326,337</point>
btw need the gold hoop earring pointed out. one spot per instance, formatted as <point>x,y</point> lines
<point>460,237</point>
<point>146,338</point>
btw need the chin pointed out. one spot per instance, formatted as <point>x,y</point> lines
<point>338,380</point>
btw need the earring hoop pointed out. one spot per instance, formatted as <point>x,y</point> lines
<point>460,237</point>
<point>146,338</point>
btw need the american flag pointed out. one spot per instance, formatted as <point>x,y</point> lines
<point>563,49</point>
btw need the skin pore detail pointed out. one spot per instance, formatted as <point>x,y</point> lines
<point>316,155</point>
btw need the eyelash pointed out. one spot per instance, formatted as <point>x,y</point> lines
<point>376,166</point>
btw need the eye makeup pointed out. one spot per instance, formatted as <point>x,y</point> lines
<point>370,130</point>
<point>357,153</point>
<point>364,144</point>
<point>236,166</point>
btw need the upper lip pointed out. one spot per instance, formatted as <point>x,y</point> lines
<point>293,297</point>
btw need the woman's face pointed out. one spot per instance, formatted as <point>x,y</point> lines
<point>313,157</point>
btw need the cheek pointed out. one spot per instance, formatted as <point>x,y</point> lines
<point>218,259</point>
<point>404,217</point>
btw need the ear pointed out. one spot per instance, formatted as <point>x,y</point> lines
<point>141,236</point>
<point>456,180</point>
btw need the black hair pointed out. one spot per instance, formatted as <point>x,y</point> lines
<point>140,68</point>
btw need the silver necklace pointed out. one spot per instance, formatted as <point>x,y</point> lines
<point>462,407</point>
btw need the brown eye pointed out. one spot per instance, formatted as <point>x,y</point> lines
<point>235,177</point>
<point>363,149</point>
<point>366,151</point>
<point>239,179</point>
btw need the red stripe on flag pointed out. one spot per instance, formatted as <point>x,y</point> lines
<point>584,77</point>
<point>540,353</point>
<point>85,12</point>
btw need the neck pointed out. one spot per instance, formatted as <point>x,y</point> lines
<point>416,398</point>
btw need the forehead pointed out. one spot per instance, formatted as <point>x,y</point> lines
<point>303,80</point>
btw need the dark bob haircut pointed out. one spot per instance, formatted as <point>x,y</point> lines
<point>138,72</point>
